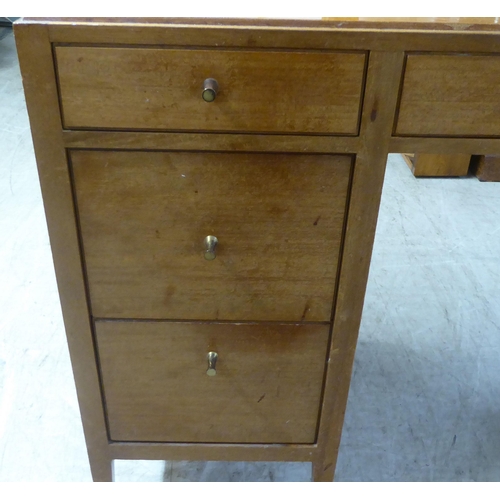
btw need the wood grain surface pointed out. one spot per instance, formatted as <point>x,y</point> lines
<point>454,95</point>
<point>226,452</point>
<point>348,23</point>
<point>432,165</point>
<point>267,388</point>
<point>180,141</point>
<point>275,34</point>
<point>444,145</point>
<point>279,220</point>
<point>264,91</point>
<point>486,167</point>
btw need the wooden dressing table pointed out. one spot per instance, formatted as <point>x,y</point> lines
<point>211,190</point>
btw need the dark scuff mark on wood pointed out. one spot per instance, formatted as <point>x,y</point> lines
<point>373,114</point>
<point>306,310</point>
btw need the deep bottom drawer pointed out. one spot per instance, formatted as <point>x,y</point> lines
<point>267,387</point>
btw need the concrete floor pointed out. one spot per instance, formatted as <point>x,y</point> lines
<point>425,397</point>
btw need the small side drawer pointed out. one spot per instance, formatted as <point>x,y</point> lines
<point>267,387</point>
<point>450,95</point>
<point>258,91</point>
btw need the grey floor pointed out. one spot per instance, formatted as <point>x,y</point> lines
<point>425,397</point>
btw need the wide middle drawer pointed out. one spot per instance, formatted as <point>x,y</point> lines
<point>258,91</point>
<point>144,218</point>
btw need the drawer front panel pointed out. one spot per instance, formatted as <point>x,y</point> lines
<point>278,219</point>
<point>267,387</point>
<point>447,95</point>
<point>259,91</point>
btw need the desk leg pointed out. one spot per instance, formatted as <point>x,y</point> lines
<point>102,469</point>
<point>379,107</point>
<point>487,167</point>
<point>438,165</point>
<point>323,472</point>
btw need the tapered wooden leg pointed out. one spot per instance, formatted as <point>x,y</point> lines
<point>379,109</point>
<point>323,472</point>
<point>102,469</point>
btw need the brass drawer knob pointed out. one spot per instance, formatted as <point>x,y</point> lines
<point>212,360</point>
<point>210,245</point>
<point>210,89</point>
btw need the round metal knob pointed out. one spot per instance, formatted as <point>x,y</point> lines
<point>210,245</point>
<point>212,360</point>
<point>210,89</point>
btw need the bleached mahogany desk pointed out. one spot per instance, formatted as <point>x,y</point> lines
<point>211,190</point>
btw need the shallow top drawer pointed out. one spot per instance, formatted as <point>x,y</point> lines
<point>258,91</point>
<point>450,95</point>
